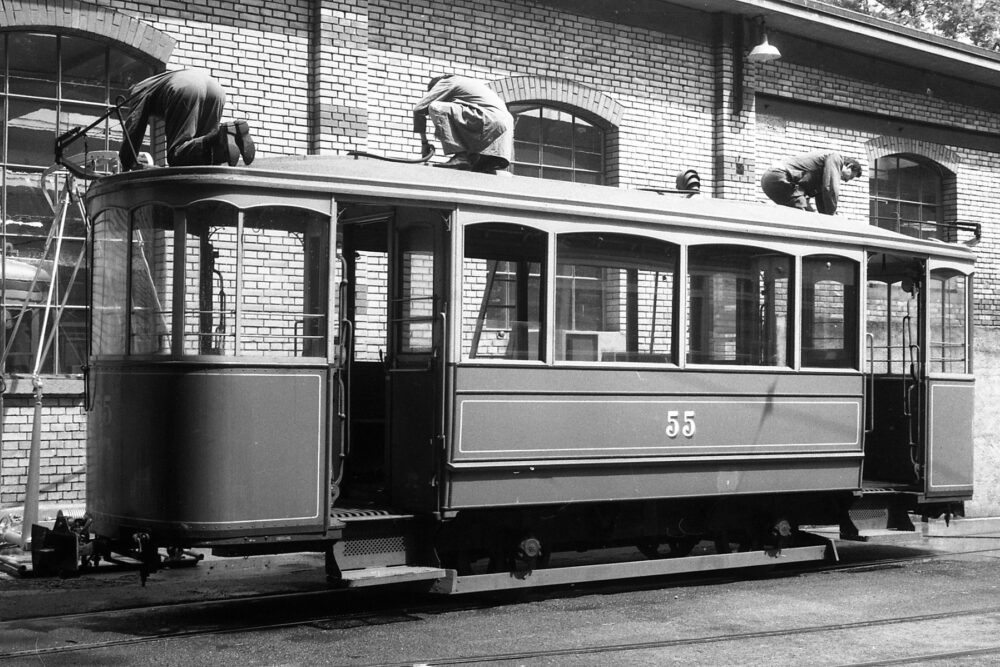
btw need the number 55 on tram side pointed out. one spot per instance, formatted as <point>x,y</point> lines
<point>450,377</point>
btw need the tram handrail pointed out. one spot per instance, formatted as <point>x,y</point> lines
<point>869,385</point>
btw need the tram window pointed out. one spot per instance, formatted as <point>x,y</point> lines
<point>285,278</point>
<point>614,298</point>
<point>829,312</point>
<point>738,306</point>
<point>502,302</point>
<point>893,292</point>
<point>110,282</point>
<point>416,290</point>
<point>947,304</point>
<point>210,279</point>
<point>152,257</point>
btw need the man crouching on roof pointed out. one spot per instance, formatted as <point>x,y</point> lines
<point>471,122</point>
<point>190,103</point>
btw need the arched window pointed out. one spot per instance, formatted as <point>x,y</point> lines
<point>556,144</point>
<point>906,197</point>
<point>53,83</point>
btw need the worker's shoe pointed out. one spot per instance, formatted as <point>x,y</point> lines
<point>224,148</point>
<point>458,161</point>
<point>240,130</point>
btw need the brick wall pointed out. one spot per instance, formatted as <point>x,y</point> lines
<point>63,464</point>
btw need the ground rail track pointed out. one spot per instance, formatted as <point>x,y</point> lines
<point>123,627</point>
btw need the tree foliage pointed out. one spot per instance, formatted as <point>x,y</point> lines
<point>970,21</point>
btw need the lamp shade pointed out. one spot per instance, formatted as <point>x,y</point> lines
<point>764,52</point>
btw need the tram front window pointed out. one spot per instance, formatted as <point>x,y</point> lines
<point>738,306</point>
<point>614,298</point>
<point>255,283</point>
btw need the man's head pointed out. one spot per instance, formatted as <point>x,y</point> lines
<point>433,82</point>
<point>851,169</point>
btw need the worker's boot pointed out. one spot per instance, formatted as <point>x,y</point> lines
<point>223,147</point>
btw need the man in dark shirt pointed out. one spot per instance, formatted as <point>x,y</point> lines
<point>793,181</point>
<point>190,103</point>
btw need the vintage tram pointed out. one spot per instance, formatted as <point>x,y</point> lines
<point>446,376</point>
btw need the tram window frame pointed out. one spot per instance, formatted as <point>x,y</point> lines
<point>254,321</point>
<point>836,346</point>
<point>151,280</point>
<point>109,287</point>
<point>718,292</point>
<point>616,274</point>
<point>520,254</point>
<point>948,322</point>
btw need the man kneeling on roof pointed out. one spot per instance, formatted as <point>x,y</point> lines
<point>794,180</point>
<point>471,122</point>
<point>190,103</point>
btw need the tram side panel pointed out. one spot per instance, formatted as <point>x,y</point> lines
<point>594,435</point>
<point>207,453</point>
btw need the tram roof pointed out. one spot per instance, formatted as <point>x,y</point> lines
<point>364,178</point>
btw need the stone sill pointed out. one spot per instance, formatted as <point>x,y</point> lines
<point>52,385</point>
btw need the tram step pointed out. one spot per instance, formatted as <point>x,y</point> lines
<point>400,574</point>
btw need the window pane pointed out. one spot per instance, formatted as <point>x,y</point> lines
<point>614,298</point>
<point>152,280</point>
<point>947,304</point>
<point>829,312</point>
<point>502,279</point>
<point>525,152</point>
<point>528,126</point>
<point>84,69</point>
<point>416,297</point>
<point>210,280</point>
<point>557,157</point>
<point>284,283</point>
<point>79,115</point>
<point>589,161</point>
<point>738,306</point>
<point>32,61</point>
<point>31,132</point>
<point>110,282</point>
<point>588,137</point>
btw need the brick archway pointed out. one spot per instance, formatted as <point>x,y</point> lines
<point>83,18</point>
<point>940,155</point>
<point>552,90</point>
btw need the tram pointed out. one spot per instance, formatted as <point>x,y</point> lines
<point>452,377</point>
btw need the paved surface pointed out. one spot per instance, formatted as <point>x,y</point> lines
<point>946,603</point>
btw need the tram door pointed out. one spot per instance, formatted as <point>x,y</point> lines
<point>895,386</point>
<point>392,305</point>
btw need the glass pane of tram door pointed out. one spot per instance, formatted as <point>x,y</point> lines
<point>894,442</point>
<point>393,375</point>
<point>919,383</point>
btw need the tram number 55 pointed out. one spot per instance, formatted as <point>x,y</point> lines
<point>680,423</point>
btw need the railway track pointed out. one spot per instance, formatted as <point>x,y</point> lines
<point>159,623</point>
